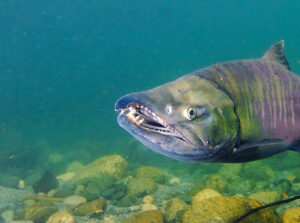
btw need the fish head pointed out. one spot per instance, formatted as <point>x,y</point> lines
<point>189,119</point>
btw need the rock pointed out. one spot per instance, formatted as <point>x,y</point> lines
<point>55,158</point>
<point>226,209</point>
<point>120,192</point>
<point>74,201</point>
<point>148,204</point>
<point>108,219</point>
<point>291,215</point>
<point>204,194</point>
<point>257,171</point>
<point>296,187</point>
<point>39,212</point>
<point>240,185</point>
<point>127,201</point>
<point>21,184</point>
<point>8,215</point>
<point>91,207</point>
<point>96,186</point>
<point>216,182</point>
<point>9,197</point>
<point>139,186</point>
<point>283,185</point>
<point>146,217</point>
<point>152,173</point>
<point>65,190</point>
<point>266,196</point>
<point>74,166</point>
<point>47,182</point>
<point>66,177</point>
<point>149,207</point>
<point>174,181</point>
<point>228,171</point>
<point>61,217</point>
<point>173,210</point>
<point>112,165</point>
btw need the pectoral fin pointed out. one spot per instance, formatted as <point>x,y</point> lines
<point>254,151</point>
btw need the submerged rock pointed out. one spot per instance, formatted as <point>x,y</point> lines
<point>173,210</point>
<point>74,201</point>
<point>229,171</point>
<point>67,189</point>
<point>112,165</point>
<point>91,207</point>
<point>216,182</point>
<point>266,196</point>
<point>291,215</point>
<point>139,186</point>
<point>127,201</point>
<point>10,197</point>
<point>257,171</point>
<point>95,187</point>
<point>66,176</point>
<point>74,166</point>
<point>46,183</point>
<point>226,209</point>
<point>204,194</point>
<point>146,217</point>
<point>152,173</point>
<point>39,212</point>
<point>148,204</point>
<point>8,215</point>
<point>61,217</point>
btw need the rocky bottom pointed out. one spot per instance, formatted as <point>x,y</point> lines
<point>105,190</point>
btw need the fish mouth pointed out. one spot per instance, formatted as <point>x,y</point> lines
<point>144,118</point>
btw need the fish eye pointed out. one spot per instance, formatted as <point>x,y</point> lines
<point>169,109</point>
<point>190,113</point>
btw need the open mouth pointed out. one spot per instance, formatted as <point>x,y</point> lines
<point>146,119</point>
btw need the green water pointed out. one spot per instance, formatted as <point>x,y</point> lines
<point>63,64</point>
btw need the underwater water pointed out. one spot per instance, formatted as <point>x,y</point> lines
<point>63,65</point>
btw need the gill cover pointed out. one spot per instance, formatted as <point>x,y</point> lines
<point>212,123</point>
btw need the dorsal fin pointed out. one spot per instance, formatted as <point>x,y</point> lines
<point>276,52</point>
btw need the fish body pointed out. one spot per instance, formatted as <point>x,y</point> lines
<point>237,111</point>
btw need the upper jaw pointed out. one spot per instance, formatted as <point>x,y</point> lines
<point>144,118</point>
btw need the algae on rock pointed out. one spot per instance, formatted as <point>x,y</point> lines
<point>226,209</point>
<point>153,216</point>
<point>291,215</point>
<point>139,186</point>
<point>266,196</point>
<point>91,207</point>
<point>151,172</point>
<point>61,217</point>
<point>111,165</point>
<point>173,210</point>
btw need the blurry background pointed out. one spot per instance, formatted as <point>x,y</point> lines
<point>64,63</point>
